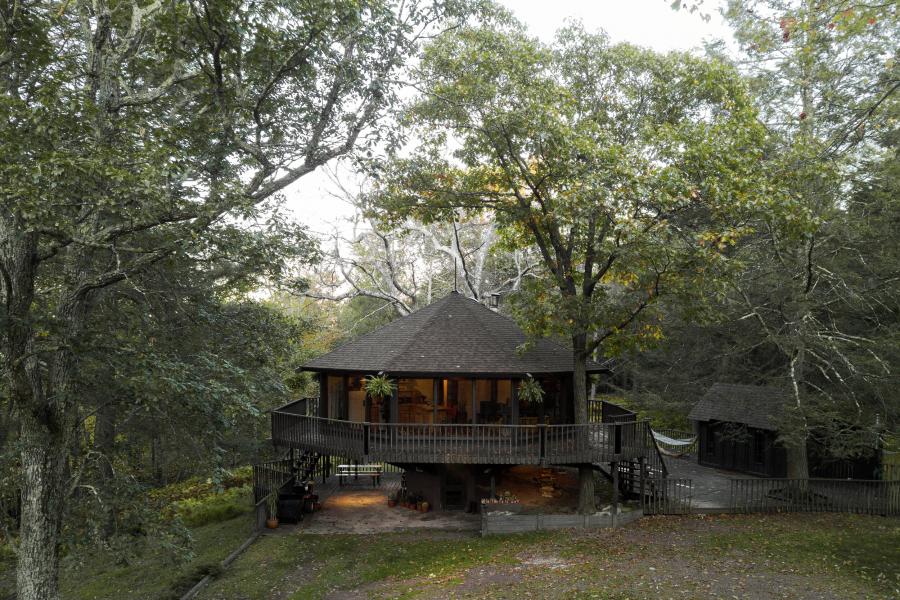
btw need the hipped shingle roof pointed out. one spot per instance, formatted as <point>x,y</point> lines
<point>757,406</point>
<point>453,335</point>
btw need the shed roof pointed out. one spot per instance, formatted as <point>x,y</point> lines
<point>758,406</point>
<point>453,335</point>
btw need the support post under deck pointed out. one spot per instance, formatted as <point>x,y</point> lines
<point>615,484</point>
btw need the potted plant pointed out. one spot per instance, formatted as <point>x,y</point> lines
<point>424,506</point>
<point>272,510</point>
<point>379,386</point>
<point>530,390</point>
<point>392,500</point>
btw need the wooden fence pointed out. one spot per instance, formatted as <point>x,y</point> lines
<point>667,496</point>
<point>870,497</point>
<point>890,465</point>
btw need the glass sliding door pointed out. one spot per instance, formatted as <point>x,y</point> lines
<point>337,397</point>
<point>456,406</point>
<point>356,399</point>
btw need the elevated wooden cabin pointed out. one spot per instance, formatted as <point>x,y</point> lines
<point>455,413</point>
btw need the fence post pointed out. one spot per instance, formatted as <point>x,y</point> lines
<point>617,438</point>
<point>615,483</point>
<point>366,441</point>
<point>641,467</point>
<point>543,430</point>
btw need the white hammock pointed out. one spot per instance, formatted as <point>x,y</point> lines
<point>664,439</point>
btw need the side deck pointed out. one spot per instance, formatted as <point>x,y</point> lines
<point>464,444</point>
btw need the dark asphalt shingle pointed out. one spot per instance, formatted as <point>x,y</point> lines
<point>757,406</point>
<point>454,335</point>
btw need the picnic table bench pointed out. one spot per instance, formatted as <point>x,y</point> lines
<point>354,471</point>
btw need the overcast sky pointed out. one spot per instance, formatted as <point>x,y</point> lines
<point>650,23</point>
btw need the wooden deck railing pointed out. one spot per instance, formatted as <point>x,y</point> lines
<point>270,477</point>
<point>474,444</point>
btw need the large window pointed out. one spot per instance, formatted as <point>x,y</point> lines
<point>554,409</point>
<point>415,400</point>
<point>337,406</point>
<point>494,401</point>
<point>356,399</point>
<point>456,406</point>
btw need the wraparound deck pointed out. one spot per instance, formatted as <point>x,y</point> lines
<point>464,444</point>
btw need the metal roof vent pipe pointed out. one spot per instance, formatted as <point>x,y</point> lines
<point>494,301</point>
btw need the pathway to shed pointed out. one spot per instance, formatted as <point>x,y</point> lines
<point>711,488</point>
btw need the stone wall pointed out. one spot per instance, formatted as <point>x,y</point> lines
<point>499,521</point>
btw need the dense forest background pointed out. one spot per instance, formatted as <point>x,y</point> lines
<point>686,220</point>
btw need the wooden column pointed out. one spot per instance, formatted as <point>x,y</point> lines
<point>474,402</point>
<point>395,405</point>
<point>323,395</point>
<point>435,397</point>
<point>344,403</point>
<point>514,399</point>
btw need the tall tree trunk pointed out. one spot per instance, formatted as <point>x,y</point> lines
<point>42,440</point>
<point>586,504</point>
<point>795,445</point>
<point>43,457</point>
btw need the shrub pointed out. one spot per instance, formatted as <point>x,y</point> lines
<point>212,507</point>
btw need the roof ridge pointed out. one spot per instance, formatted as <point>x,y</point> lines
<point>413,338</point>
<point>546,339</point>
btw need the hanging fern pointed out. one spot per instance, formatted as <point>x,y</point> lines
<point>378,386</point>
<point>530,390</point>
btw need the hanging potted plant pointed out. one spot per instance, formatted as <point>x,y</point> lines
<point>530,390</point>
<point>379,386</point>
<point>272,510</point>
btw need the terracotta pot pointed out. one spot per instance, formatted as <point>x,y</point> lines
<point>392,503</point>
<point>424,506</point>
<point>272,523</point>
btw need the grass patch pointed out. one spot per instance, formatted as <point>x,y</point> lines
<point>854,547</point>
<point>154,575</point>
<point>805,556</point>
<point>276,562</point>
<point>213,508</point>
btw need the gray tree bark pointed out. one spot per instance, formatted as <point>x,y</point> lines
<point>586,503</point>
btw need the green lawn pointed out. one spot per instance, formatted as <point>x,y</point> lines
<point>779,556</point>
